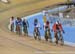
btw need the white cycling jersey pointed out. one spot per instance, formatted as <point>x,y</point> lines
<point>38,25</point>
<point>12,21</point>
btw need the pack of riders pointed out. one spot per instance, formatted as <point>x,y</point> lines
<point>56,28</point>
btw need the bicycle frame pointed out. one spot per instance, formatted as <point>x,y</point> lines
<point>48,35</point>
<point>36,34</point>
<point>58,36</point>
<point>18,29</point>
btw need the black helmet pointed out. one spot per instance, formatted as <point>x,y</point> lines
<point>35,20</point>
<point>12,17</point>
<point>18,18</point>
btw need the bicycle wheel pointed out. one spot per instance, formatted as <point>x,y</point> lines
<point>56,37</point>
<point>38,34</point>
<point>34,35</point>
<point>61,40</point>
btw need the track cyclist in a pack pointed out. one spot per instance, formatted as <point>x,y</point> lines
<point>25,27</point>
<point>12,22</point>
<point>47,31</point>
<point>57,28</point>
<point>36,29</point>
<point>18,25</point>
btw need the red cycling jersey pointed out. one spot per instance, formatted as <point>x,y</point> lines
<point>55,27</point>
<point>47,25</point>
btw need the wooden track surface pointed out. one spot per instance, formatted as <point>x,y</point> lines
<point>11,43</point>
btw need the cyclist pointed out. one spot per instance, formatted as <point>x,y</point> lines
<point>57,28</point>
<point>25,26</point>
<point>47,31</point>
<point>18,25</point>
<point>36,29</point>
<point>12,20</point>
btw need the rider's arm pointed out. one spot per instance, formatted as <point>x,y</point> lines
<point>62,28</point>
<point>54,27</point>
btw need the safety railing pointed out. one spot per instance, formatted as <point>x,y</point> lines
<point>64,21</point>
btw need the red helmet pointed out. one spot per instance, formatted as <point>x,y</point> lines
<point>47,22</point>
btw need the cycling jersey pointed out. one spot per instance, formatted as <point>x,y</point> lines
<point>12,21</point>
<point>47,24</point>
<point>18,22</point>
<point>57,27</point>
<point>35,24</point>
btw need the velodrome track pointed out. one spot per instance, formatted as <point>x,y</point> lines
<point>10,43</point>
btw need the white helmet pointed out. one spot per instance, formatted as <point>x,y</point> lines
<point>57,22</point>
